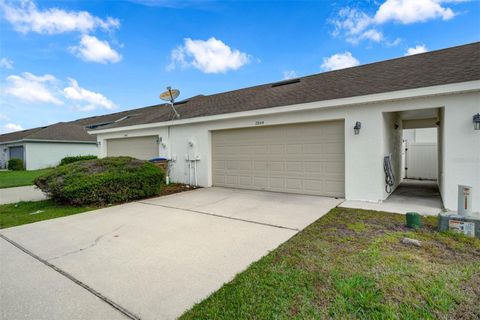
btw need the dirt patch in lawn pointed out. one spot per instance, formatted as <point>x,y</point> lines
<point>351,264</point>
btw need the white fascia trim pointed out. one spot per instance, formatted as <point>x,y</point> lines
<point>60,141</point>
<point>12,141</point>
<point>47,141</point>
<point>371,98</point>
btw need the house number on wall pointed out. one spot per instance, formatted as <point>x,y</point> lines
<point>259,123</point>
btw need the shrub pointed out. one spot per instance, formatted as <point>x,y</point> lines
<point>68,160</point>
<point>16,164</point>
<point>102,181</point>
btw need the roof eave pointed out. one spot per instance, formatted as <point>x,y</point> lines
<point>454,88</point>
<point>49,141</point>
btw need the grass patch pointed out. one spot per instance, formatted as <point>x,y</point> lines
<point>10,179</point>
<point>24,212</point>
<point>350,264</point>
<point>16,214</point>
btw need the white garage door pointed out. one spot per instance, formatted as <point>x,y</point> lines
<point>304,158</point>
<point>144,148</point>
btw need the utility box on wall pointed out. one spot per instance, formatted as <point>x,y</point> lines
<point>461,221</point>
<point>464,201</point>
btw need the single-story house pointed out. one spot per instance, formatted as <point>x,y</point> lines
<point>44,147</point>
<point>326,134</point>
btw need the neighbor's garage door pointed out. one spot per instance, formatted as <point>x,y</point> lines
<point>144,148</point>
<point>304,158</point>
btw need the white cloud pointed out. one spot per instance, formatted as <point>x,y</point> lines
<point>26,17</point>
<point>31,88</point>
<point>92,49</point>
<point>289,74</point>
<point>10,127</point>
<point>4,117</point>
<point>210,56</point>
<point>351,23</point>
<point>339,61</point>
<point>372,34</point>
<point>47,89</point>
<point>416,50</point>
<point>411,11</point>
<point>6,63</point>
<point>90,100</point>
<point>355,25</point>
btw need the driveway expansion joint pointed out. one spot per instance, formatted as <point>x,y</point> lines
<point>220,216</point>
<point>113,304</point>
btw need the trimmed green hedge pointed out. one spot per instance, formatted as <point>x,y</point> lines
<point>68,160</point>
<point>102,181</point>
<point>16,165</point>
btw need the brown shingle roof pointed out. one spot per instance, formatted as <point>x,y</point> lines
<point>62,131</point>
<point>446,66</point>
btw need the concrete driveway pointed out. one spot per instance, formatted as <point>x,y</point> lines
<point>151,259</point>
<point>16,194</point>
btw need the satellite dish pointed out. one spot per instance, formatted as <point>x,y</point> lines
<point>170,95</point>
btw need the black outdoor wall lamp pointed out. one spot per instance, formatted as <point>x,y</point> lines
<point>358,126</point>
<point>476,121</point>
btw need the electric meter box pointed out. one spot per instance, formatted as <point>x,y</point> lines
<point>464,201</point>
<point>461,221</point>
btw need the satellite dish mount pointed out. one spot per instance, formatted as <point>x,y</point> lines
<point>170,95</point>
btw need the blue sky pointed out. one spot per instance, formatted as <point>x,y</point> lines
<point>64,60</point>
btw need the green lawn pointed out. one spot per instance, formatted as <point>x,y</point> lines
<point>16,214</point>
<point>350,264</point>
<point>10,179</point>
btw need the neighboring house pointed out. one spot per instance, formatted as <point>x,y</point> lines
<point>298,135</point>
<point>44,147</point>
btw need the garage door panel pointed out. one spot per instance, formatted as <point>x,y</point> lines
<point>260,165</point>
<point>294,167</point>
<point>245,181</point>
<point>276,150</point>
<point>294,149</point>
<point>218,179</point>
<point>274,166</point>
<point>260,182</point>
<point>144,148</point>
<point>334,187</point>
<point>300,158</point>
<point>262,149</point>
<point>276,183</point>
<point>244,165</point>
<point>335,167</point>
<point>219,164</point>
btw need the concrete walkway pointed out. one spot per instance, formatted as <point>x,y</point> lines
<point>410,196</point>
<point>27,193</point>
<point>153,259</point>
